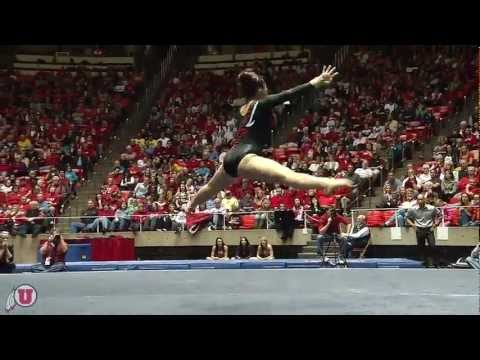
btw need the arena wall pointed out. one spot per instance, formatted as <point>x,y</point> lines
<point>26,248</point>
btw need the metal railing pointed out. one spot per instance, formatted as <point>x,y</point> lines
<point>140,219</point>
<point>442,212</point>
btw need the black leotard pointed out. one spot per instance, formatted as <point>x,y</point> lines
<point>254,133</point>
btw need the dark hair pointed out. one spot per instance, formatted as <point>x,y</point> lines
<point>243,251</point>
<point>216,240</point>
<point>248,83</point>
<point>246,240</point>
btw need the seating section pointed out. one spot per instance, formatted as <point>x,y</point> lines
<point>54,125</point>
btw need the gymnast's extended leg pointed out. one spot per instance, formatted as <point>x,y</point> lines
<point>258,168</point>
<point>218,182</point>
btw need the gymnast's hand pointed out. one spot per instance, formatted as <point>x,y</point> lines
<point>325,78</point>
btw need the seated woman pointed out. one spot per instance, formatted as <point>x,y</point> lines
<point>243,250</point>
<point>466,213</point>
<point>264,250</point>
<point>219,250</point>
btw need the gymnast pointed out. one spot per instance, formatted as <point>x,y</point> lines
<point>245,158</point>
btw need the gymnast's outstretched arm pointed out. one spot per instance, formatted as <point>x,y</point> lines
<point>323,80</point>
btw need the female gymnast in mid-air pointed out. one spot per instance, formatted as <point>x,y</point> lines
<point>245,158</point>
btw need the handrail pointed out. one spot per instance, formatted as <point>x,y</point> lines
<point>23,217</point>
<point>140,218</point>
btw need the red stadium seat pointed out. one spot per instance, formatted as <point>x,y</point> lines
<point>375,218</point>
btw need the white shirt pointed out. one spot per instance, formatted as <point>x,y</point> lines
<point>364,173</point>
<point>216,210</point>
<point>331,165</point>
<point>164,141</point>
<point>408,204</point>
<point>422,179</point>
<point>360,233</point>
<point>298,213</point>
<point>389,107</point>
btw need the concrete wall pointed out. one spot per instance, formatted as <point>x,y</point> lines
<point>25,248</point>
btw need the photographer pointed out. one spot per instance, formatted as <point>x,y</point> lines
<point>53,255</point>
<point>329,228</point>
<point>6,257</point>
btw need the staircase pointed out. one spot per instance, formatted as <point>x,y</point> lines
<point>119,140</point>
<point>424,152</point>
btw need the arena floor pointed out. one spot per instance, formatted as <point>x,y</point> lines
<point>259,292</point>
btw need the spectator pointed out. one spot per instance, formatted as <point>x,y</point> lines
<point>230,202</point>
<point>329,228</point>
<point>121,220</point>
<point>34,222</point>
<point>424,218</point>
<point>6,258</point>
<point>469,182</point>
<point>180,220</point>
<point>366,174</point>
<point>394,183</point>
<point>314,207</point>
<point>165,222</point>
<point>103,221</point>
<point>246,202</point>
<point>399,218</point>
<point>284,221</point>
<point>140,219</point>
<point>219,250</point>
<point>72,178</point>
<point>358,237</point>
<point>264,219</point>
<point>389,199</point>
<point>53,253</point>
<point>264,250</point>
<point>410,182</point>
<point>243,250</point>
<point>218,216</point>
<point>141,189</point>
<point>128,181</point>
<point>86,222</point>
<point>298,213</point>
<point>424,177</point>
<point>448,186</point>
<point>467,212</point>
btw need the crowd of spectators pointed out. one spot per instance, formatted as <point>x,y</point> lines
<point>54,125</point>
<point>358,128</point>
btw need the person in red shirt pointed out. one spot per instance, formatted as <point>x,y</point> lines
<point>52,197</point>
<point>140,216</point>
<point>329,228</point>
<point>471,180</point>
<point>105,217</point>
<point>111,187</point>
<point>13,197</point>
